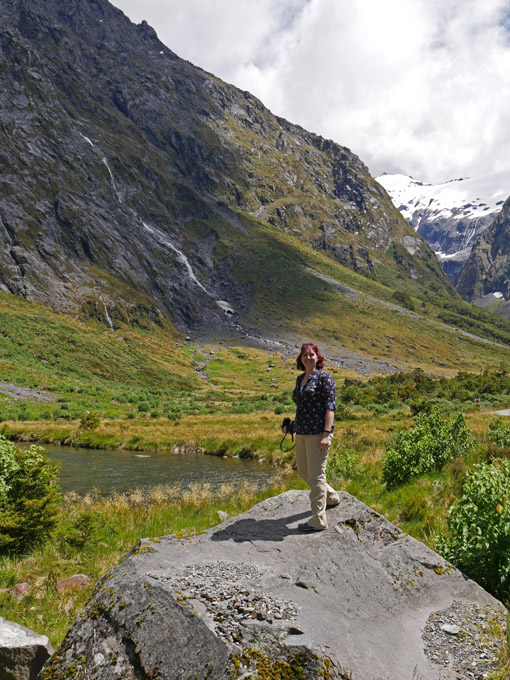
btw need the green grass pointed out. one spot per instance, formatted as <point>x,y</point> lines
<point>145,387</point>
<point>95,532</point>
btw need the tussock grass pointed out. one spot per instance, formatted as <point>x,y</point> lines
<point>96,531</point>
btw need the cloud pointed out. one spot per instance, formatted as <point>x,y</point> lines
<point>418,86</point>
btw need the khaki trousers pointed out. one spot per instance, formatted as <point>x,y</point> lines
<point>311,465</point>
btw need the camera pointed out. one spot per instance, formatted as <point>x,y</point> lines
<point>289,424</point>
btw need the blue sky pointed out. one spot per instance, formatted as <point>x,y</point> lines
<point>414,86</point>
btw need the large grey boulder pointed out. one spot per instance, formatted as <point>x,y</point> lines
<point>22,652</point>
<point>256,598</point>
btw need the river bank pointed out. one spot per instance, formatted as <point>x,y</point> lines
<point>95,531</point>
<point>248,436</point>
<point>113,471</point>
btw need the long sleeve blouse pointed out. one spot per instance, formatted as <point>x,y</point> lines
<point>313,400</point>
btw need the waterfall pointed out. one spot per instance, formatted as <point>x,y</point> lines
<point>87,139</point>
<point>163,240</point>
<point>105,161</point>
<point>107,316</point>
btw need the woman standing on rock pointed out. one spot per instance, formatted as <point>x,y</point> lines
<point>315,399</point>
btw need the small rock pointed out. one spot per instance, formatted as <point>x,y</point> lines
<point>20,589</point>
<point>22,652</point>
<point>450,629</point>
<point>99,659</point>
<point>76,582</point>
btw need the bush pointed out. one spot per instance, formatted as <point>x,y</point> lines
<point>89,421</point>
<point>29,497</point>
<point>479,528</point>
<point>404,299</point>
<point>499,432</point>
<point>81,530</point>
<point>344,464</point>
<point>421,405</point>
<point>434,441</point>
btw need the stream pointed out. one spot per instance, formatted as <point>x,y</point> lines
<point>83,470</point>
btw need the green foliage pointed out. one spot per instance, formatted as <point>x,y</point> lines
<point>89,421</point>
<point>81,530</point>
<point>471,318</point>
<point>404,299</point>
<point>344,464</point>
<point>499,432</point>
<point>479,528</point>
<point>435,440</point>
<point>29,497</point>
<point>421,391</point>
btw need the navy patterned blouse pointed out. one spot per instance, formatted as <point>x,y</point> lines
<point>312,402</point>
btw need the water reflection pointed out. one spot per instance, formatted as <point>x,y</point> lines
<point>85,469</point>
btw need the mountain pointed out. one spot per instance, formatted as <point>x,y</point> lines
<point>138,188</point>
<point>485,277</point>
<point>449,216</point>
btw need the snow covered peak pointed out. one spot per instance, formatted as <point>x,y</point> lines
<point>467,198</point>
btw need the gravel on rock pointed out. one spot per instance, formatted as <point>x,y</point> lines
<point>230,594</point>
<point>458,638</point>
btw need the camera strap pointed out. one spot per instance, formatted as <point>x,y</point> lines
<point>283,439</point>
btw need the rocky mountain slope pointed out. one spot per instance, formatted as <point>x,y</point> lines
<point>449,216</point>
<point>485,278</point>
<point>136,186</point>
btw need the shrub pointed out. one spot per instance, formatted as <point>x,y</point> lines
<point>404,299</point>
<point>434,441</point>
<point>421,405</point>
<point>29,497</point>
<point>479,528</point>
<point>344,464</point>
<point>499,432</point>
<point>81,530</point>
<point>89,421</point>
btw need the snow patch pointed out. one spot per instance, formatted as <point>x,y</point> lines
<point>225,306</point>
<point>473,198</point>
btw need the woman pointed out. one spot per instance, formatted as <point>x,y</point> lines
<point>315,398</point>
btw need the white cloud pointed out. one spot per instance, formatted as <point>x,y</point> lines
<point>418,86</point>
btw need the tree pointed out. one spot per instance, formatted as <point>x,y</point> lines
<point>29,496</point>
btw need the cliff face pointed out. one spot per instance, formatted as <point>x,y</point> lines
<point>449,216</point>
<point>487,269</point>
<point>135,185</point>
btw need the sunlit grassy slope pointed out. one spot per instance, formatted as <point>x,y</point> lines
<point>296,294</point>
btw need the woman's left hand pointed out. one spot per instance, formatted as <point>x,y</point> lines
<point>325,442</point>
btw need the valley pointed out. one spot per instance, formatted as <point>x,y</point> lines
<point>168,244</point>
